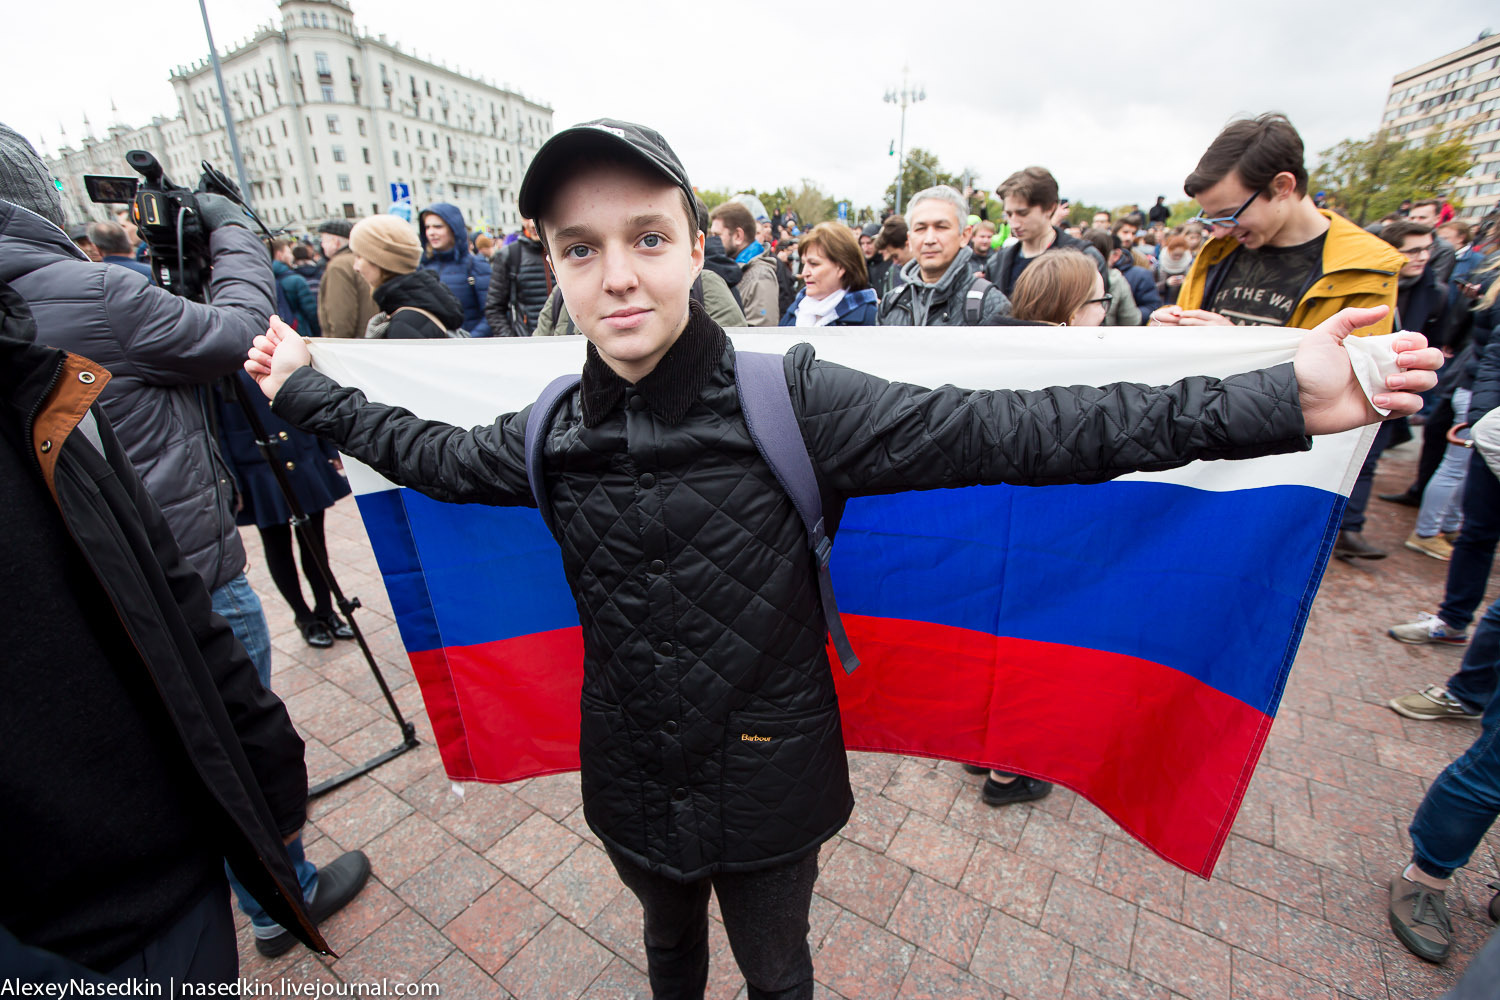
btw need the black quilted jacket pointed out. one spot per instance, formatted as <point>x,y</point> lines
<point>711,737</point>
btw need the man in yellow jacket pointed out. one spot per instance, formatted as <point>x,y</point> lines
<point>1276,259</point>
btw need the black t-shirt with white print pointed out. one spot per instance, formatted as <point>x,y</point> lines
<point>1262,286</point>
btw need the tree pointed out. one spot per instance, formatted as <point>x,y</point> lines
<point>810,204</point>
<point>713,199</point>
<point>921,170</point>
<point>1370,178</point>
<point>1182,211</point>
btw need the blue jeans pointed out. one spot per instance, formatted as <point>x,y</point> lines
<point>1474,552</point>
<point>1464,800</point>
<point>237,604</point>
<point>1442,500</point>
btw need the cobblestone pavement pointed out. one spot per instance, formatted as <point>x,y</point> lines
<point>504,892</point>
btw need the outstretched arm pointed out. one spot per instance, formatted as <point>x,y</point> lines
<point>482,465</point>
<point>1332,398</point>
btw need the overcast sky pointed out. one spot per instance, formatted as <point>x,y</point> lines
<point>1117,99</point>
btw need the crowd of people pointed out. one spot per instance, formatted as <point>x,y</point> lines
<point>128,466</point>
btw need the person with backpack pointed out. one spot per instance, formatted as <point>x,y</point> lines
<point>520,286</point>
<point>467,275</point>
<point>711,751</point>
<point>414,303</point>
<point>941,287</point>
<point>300,299</point>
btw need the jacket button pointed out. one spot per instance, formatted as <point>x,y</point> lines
<point>664,648</point>
<point>87,378</point>
<point>679,795</point>
<point>291,465</point>
<point>647,481</point>
<point>657,566</point>
<point>46,447</point>
<point>670,728</point>
<point>637,402</point>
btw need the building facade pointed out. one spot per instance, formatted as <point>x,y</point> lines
<point>1457,92</point>
<point>328,119</point>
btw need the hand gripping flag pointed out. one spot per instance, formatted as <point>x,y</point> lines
<point>1130,640</point>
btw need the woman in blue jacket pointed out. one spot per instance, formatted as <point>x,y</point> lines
<point>836,287</point>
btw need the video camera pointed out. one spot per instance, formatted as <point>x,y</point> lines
<point>168,218</point>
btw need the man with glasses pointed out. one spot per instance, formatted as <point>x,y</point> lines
<point>1275,259</point>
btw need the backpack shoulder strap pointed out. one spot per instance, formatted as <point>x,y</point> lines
<point>537,422</point>
<point>974,300</point>
<point>766,401</point>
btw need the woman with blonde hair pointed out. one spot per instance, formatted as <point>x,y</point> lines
<point>1060,288</point>
<point>836,286</point>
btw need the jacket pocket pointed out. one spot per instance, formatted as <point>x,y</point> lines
<point>785,782</point>
<point>610,773</point>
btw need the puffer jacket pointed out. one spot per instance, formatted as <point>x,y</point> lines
<point>299,295</point>
<point>466,274</point>
<point>710,728</point>
<point>917,303</point>
<point>532,285</point>
<point>163,351</point>
<point>235,733</point>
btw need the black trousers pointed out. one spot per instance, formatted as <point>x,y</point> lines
<point>765,916</point>
<point>200,947</point>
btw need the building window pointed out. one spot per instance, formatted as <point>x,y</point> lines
<point>397,158</point>
<point>361,126</point>
<point>344,182</point>
<point>304,19</point>
<point>338,154</point>
<point>320,184</point>
<point>327,91</point>
<point>284,132</point>
<point>372,182</point>
<point>366,150</point>
<point>333,124</point>
<point>315,154</point>
<point>429,87</point>
<point>393,130</point>
<point>322,61</point>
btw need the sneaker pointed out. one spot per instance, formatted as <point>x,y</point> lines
<point>1419,916</point>
<point>1451,537</point>
<point>1437,546</point>
<point>1352,545</point>
<point>1023,789</point>
<point>338,883</point>
<point>1432,702</point>
<point>1429,628</point>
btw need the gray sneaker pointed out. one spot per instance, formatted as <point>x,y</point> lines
<point>1419,916</point>
<point>1432,702</point>
<point>1429,628</point>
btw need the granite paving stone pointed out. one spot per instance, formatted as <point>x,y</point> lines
<point>927,894</point>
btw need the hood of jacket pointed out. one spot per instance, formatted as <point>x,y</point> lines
<point>279,269</point>
<point>455,220</point>
<point>719,262</point>
<point>31,242</point>
<point>422,289</point>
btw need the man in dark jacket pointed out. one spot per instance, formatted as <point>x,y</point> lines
<point>161,352</point>
<point>711,750</point>
<point>518,278</point>
<point>345,304</point>
<point>1030,198</point>
<point>114,247</point>
<point>1159,213</point>
<point>1142,282</point>
<point>140,748</point>
<point>1421,297</point>
<point>467,275</point>
<point>941,285</point>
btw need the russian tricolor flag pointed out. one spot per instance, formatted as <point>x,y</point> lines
<point>1129,640</point>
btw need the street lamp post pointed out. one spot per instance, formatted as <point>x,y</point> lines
<point>234,139</point>
<point>905,97</point>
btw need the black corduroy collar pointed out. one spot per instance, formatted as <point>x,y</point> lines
<point>671,387</point>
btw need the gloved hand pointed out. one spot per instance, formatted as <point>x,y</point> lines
<point>216,211</point>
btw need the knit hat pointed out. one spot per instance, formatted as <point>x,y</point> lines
<point>337,227</point>
<point>24,179</point>
<point>388,243</point>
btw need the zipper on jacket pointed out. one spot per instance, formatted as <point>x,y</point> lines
<point>30,423</point>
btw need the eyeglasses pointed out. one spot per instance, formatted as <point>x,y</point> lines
<point>1225,221</point>
<point>1104,300</point>
<point>1415,252</point>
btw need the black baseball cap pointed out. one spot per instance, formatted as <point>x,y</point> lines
<point>642,143</point>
